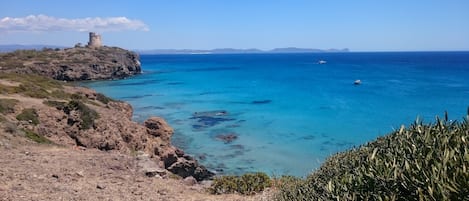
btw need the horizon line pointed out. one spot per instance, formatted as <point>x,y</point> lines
<point>328,50</point>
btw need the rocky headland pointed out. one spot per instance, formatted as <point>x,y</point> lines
<point>73,64</point>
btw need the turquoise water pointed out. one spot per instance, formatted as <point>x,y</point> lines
<point>288,112</point>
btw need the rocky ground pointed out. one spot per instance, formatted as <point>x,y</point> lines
<point>31,171</point>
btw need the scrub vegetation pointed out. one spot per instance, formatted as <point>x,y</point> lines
<point>422,162</point>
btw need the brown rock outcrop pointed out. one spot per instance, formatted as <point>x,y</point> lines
<point>174,159</point>
<point>158,127</point>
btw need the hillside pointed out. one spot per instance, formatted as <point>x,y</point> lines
<point>60,141</point>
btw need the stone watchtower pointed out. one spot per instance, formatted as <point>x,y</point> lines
<point>95,40</point>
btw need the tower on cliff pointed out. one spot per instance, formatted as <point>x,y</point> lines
<point>95,40</point>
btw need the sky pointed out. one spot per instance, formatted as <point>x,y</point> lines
<point>360,25</point>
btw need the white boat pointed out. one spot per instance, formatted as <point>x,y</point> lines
<point>357,82</point>
<point>322,62</point>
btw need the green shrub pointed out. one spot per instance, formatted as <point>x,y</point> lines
<point>246,184</point>
<point>32,90</point>
<point>103,99</point>
<point>87,114</point>
<point>422,162</point>
<point>76,96</point>
<point>7,105</point>
<point>28,114</point>
<point>37,80</point>
<point>4,89</point>
<point>293,188</point>
<point>60,94</point>
<point>57,104</point>
<point>36,137</point>
<point>30,85</point>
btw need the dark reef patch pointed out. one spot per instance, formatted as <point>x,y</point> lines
<point>258,102</point>
<point>227,138</point>
<point>175,83</point>
<point>144,82</point>
<point>136,97</point>
<point>233,126</point>
<point>210,113</point>
<point>150,108</point>
<point>237,146</point>
<point>308,137</point>
<point>175,105</point>
<point>210,93</point>
<point>254,102</point>
<point>211,69</point>
<point>210,118</point>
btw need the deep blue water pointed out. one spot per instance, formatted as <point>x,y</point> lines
<point>288,112</point>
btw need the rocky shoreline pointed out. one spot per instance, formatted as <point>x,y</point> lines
<point>76,116</point>
<point>84,118</point>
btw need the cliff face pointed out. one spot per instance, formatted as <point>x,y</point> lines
<point>73,64</point>
<point>48,111</point>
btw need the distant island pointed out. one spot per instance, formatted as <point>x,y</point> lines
<point>13,47</point>
<point>240,51</point>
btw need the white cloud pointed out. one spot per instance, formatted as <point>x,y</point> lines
<point>44,23</point>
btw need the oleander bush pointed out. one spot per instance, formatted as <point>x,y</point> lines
<point>246,184</point>
<point>28,114</point>
<point>422,162</point>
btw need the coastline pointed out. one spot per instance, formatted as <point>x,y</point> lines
<point>75,116</point>
<point>55,114</point>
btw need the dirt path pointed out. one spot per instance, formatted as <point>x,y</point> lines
<point>29,171</point>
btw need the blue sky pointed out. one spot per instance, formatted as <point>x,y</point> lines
<point>361,25</point>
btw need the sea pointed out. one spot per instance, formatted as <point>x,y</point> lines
<point>285,114</point>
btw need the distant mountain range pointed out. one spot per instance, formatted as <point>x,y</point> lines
<point>13,47</point>
<point>239,51</point>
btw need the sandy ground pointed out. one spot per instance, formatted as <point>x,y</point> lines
<point>30,171</point>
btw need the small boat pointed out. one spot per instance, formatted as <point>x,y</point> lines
<point>322,62</point>
<point>357,82</point>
